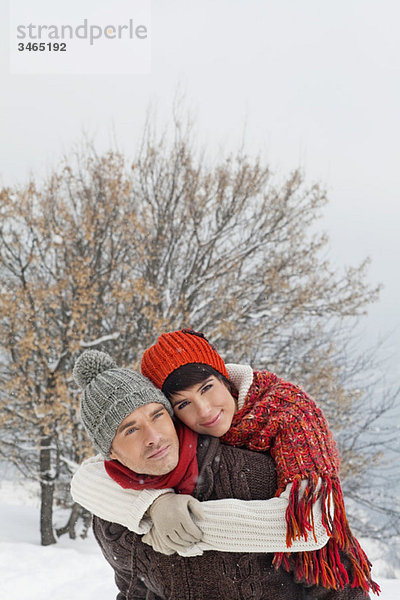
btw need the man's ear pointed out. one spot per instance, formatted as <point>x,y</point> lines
<point>112,454</point>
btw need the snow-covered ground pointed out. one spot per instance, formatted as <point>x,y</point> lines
<point>68,570</point>
<point>71,570</point>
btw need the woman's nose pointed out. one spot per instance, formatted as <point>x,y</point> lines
<point>203,409</point>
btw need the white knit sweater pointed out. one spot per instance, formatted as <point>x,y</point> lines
<point>229,525</point>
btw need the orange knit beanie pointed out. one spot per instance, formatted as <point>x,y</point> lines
<point>175,349</point>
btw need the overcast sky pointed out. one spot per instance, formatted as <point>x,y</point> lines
<point>314,84</point>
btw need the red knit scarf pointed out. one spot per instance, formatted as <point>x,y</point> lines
<point>278,416</point>
<point>183,478</point>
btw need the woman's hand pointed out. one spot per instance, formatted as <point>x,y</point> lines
<point>173,526</point>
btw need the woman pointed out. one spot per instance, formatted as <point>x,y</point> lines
<point>262,412</point>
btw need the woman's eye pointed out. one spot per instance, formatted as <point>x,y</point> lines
<point>181,405</point>
<point>206,388</point>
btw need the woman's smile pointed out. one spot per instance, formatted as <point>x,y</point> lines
<point>212,421</point>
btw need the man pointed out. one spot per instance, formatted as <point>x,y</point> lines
<point>129,421</point>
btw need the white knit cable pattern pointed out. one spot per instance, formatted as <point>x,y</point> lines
<point>93,488</point>
<point>229,525</point>
<point>254,526</point>
<point>242,377</point>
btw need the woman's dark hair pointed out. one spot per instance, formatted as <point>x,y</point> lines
<point>190,374</point>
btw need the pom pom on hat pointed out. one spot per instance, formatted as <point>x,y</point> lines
<point>90,364</point>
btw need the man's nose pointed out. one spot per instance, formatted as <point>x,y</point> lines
<point>152,436</point>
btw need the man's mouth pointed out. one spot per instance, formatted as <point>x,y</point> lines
<point>213,421</point>
<point>160,453</point>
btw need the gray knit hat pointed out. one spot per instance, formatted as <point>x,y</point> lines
<point>109,395</point>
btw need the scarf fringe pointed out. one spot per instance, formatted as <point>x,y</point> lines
<point>324,567</point>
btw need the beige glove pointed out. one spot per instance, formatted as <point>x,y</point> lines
<point>173,526</point>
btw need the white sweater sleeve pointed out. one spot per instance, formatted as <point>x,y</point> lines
<point>233,525</point>
<point>229,525</point>
<point>93,488</point>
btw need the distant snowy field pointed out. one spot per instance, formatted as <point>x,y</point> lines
<point>75,570</point>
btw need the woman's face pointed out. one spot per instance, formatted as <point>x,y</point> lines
<point>207,407</point>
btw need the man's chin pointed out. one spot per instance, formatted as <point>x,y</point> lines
<point>163,467</point>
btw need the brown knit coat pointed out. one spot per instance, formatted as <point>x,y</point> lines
<point>142,573</point>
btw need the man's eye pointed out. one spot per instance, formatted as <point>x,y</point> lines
<point>130,430</point>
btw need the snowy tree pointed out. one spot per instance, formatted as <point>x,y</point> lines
<point>62,288</point>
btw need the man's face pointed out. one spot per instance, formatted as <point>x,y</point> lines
<point>146,441</point>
